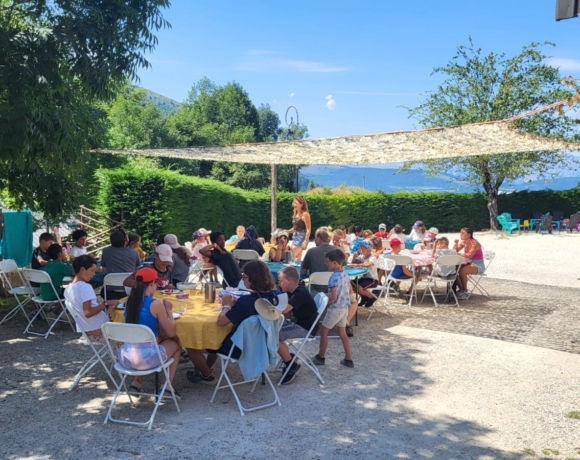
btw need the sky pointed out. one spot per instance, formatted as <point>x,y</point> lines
<point>348,67</point>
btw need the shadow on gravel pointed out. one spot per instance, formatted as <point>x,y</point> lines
<point>362,413</point>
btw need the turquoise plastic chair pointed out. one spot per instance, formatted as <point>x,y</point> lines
<point>508,226</point>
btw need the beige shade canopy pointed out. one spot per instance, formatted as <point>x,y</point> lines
<point>465,140</point>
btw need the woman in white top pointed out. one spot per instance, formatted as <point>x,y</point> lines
<point>92,314</point>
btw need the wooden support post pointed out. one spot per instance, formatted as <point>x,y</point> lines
<point>274,206</point>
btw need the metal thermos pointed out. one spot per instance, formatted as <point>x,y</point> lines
<point>210,291</point>
<point>288,257</point>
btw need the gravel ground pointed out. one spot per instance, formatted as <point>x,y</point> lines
<point>486,380</point>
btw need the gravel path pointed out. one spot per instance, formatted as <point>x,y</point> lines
<point>485,380</point>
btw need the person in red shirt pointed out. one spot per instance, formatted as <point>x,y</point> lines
<point>382,233</point>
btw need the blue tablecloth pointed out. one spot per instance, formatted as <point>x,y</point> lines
<point>275,267</point>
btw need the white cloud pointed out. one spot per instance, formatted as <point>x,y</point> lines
<point>274,101</point>
<point>291,94</point>
<point>330,102</point>
<point>260,63</point>
<point>564,63</point>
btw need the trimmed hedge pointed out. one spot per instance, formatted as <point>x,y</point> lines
<point>154,201</point>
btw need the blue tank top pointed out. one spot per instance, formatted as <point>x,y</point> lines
<point>145,316</point>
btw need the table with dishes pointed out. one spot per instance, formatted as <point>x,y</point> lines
<point>197,324</point>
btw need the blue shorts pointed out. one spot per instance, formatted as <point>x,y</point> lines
<point>298,238</point>
<point>480,266</point>
<point>141,356</point>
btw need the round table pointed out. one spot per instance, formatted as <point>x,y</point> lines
<point>197,328</point>
<point>421,259</point>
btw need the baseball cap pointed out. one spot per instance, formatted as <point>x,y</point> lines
<point>199,233</point>
<point>434,230</point>
<point>418,224</point>
<point>164,252</point>
<point>366,244</point>
<point>147,275</point>
<point>395,242</point>
<point>382,226</point>
<point>171,240</point>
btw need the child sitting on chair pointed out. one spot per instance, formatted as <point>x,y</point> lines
<point>401,272</point>
<point>369,280</point>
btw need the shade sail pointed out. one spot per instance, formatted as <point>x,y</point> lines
<point>465,140</point>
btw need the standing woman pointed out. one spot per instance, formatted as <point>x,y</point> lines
<point>142,308</point>
<point>470,249</point>
<point>301,226</point>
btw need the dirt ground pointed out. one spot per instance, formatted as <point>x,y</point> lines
<point>494,378</point>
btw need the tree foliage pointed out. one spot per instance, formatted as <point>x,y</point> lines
<point>57,60</point>
<point>480,88</point>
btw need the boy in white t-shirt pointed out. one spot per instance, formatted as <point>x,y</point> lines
<point>92,314</point>
<point>80,240</point>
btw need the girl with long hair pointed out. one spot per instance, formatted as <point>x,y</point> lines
<point>142,308</point>
<point>301,226</point>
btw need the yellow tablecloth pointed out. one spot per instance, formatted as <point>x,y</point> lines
<point>197,328</point>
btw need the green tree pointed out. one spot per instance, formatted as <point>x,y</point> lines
<point>480,88</point>
<point>57,61</point>
<point>269,123</point>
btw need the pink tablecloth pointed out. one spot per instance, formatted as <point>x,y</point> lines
<point>421,259</point>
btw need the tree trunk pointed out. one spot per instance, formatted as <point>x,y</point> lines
<point>492,207</point>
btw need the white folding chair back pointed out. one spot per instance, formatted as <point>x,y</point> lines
<point>381,292</point>
<point>408,262</point>
<point>99,350</point>
<point>41,277</point>
<point>221,274</point>
<point>318,279</point>
<point>449,263</point>
<point>226,360</point>
<point>475,279</point>
<point>17,286</point>
<point>136,334</point>
<point>245,254</point>
<point>198,273</point>
<point>114,279</point>
<point>296,345</point>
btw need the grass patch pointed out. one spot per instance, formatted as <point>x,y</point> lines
<point>574,414</point>
<point>529,451</point>
<point>549,452</point>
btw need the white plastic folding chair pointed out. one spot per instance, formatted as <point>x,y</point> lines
<point>296,345</point>
<point>318,279</point>
<point>136,334</point>
<point>407,262</point>
<point>245,254</point>
<point>99,350</point>
<point>381,292</point>
<point>17,286</point>
<point>225,361</point>
<point>443,264</point>
<point>40,277</point>
<point>475,279</point>
<point>221,274</point>
<point>114,280</point>
<point>199,273</point>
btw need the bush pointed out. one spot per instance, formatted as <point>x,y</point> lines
<point>153,201</point>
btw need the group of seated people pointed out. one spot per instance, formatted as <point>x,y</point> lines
<point>330,253</point>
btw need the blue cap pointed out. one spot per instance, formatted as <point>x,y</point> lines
<point>366,244</point>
